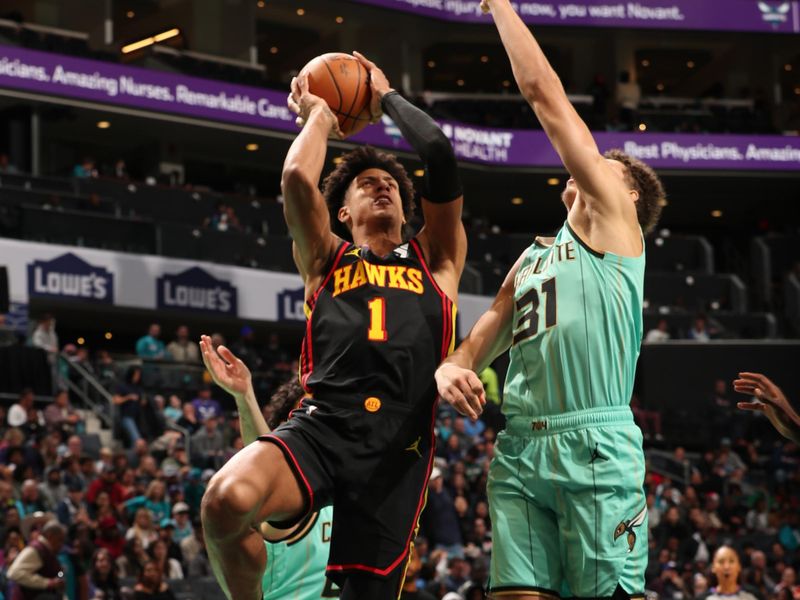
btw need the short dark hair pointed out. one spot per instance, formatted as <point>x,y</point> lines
<point>351,165</point>
<point>645,181</point>
<point>285,400</point>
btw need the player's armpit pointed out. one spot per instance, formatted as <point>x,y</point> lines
<point>443,236</point>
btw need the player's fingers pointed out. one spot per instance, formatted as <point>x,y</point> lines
<point>294,86</point>
<point>764,396</point>
<point>364,60</point>
<point>299,121</point>
<point>757,406</point>
<point>302,83</point>
<point>456,398</point>
<point>477,387</point>
<point>228,356</point>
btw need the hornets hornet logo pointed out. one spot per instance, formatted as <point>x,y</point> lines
<point>628,526</point>
<point>775,14</point>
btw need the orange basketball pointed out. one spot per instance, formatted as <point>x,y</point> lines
<point>343,83</point>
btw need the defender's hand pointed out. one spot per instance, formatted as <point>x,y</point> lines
<point>377,83</point>
<point>302,103</point>
<point>461,388</point>
<point>771,401</point>
<point>227,371</point>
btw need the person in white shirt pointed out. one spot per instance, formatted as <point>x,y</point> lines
<point>659,334</point>
<point>18,413</point>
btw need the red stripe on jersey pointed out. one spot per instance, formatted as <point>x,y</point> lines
<point>446,302</point>
<point>307,351</point>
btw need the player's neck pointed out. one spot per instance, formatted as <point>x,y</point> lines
<point>380,242</point>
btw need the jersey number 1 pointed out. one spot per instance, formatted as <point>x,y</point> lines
<point>377,320</point>
<point>528,307</point>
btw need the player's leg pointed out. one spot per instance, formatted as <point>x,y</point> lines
<point>363,586</point>
<point>525,561</point>
<point>255,484</point>
<point>603,515</point>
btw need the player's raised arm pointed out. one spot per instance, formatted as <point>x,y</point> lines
<point>771,401</point>
<point>569,135</point>
<point>304,207</point>
<point>456,377</point>
<point>442,203</point>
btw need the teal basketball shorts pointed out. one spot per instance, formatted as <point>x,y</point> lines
<point>568,509</point>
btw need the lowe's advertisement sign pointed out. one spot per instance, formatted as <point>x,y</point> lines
<point>68,277</point>
<point>197,290</point>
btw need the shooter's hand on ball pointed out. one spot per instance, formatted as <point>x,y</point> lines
<point>306,105</point>
<point>461,388</point>
<point>771,401</point>
<point>377,83</point>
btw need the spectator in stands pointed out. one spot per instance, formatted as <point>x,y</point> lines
<point>208,445</point>
<point>103,581</point>
<point>491,386</point>
<point>245,348</point>
<point>153,500</point>
<point>658,334</point>
<point>72,505</point>
<point>142,528</point>
<point>151,586</point>
<point>410,589</point>
<point>649,421</point>
<point>85,169</point>
<point>107,482</point>
<point>183,349</point>
<point>45,336</point>
<point>129,397</point>
<point>205,406</point>
<point>440,518</point>
<point>174,409</point>
<point>149,346</point>
<point>52,490</point>
<point>109,537</point>
<point>104,367</point>
<point>29,501</point>
<point>170,568</point>
<point>120,170</point>
<point>6,166</point>
<point>726,568</point>
<point>18,413</point>
<point>36,570</point>
<point>61,415</point>
<point>699,330</point>
<point>133,559</point>
<point>223,219</point>
<point>189,419</point>
<point>628,96</point>
<point>183,524</point>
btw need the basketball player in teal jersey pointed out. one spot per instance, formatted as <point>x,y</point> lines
<point>566,485</point>
<point>296,557</point>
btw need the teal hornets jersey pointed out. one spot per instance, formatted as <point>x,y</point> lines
<point>577,328</point>
<point>296,566</point>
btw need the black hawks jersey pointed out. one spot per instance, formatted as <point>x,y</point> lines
<point>376,329</point>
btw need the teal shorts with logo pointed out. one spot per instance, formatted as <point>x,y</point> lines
<point>567,503</point>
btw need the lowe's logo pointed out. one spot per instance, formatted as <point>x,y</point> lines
<point>196,289</point>
<point>290,305</point>
<point>70,277</point>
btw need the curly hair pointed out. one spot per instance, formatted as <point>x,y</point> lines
<point>335,185</point>
<point>284,400</point>
<point>645,181</point>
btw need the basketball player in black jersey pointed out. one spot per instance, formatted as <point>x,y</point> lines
<point>380,315</point>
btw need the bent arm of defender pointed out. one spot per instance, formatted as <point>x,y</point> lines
<point>543,90</point>
<point>304,208</point>
<point>491,335</point>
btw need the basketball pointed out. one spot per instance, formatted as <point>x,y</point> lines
<point>343,83</point>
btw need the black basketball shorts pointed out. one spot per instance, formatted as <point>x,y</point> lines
<point>371,459</point>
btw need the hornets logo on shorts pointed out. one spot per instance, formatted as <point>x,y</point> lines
<point>629,526</point>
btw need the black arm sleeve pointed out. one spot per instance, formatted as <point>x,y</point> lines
<point>432,146</point>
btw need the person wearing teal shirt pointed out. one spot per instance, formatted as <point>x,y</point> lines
<point>566,485</point>
<point>149,346</point>
<point>296,557</point>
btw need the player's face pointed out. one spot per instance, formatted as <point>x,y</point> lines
<point>726,566</point>
<point>373,193</point>
<point>571,189</point>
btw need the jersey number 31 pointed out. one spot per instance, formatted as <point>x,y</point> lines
<point>528,309</point>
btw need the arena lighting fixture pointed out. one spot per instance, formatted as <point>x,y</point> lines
<point>663,202</point>
<point>553,181</point>
<point>108,335</point>
<point>645,63</point>
<point>260,4</point>
<point>460,83</point>
<point>130,14</point>
<point>484,59</point>
<point>273,50</point>
<point>431,64</point>
<point>337,160</point>
<point>340,20</point>
<point>690,64</point>
<point>103,124</point>
<point>716,213</point>
<point>506,83</point>
<point>787,67</point>
<point>251,147</point>
<point>80,341</point>
<point>516,201</point>
<point>419,172</point>
<point>144,43</point>
<point>301,12</point>
<point>642,127</point>
<point>660,87</point>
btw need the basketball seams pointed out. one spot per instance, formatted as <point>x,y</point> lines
<point>335,85</point>
<point>356,115</point>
